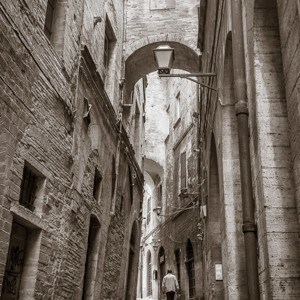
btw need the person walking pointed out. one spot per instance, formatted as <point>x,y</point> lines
<point>170,285</point>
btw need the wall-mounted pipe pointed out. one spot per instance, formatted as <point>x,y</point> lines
<point>241,107</point>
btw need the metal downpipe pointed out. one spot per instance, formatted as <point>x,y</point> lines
<point>241,107</point>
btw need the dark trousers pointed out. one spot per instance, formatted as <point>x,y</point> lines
<point>170,295</point>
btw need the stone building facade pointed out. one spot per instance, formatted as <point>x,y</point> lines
<point>223,164</point>
<point>245,233</point>
<point>71,180</point>
<point>171,198</point>
<point>250,148</point>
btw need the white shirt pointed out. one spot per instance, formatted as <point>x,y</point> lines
<point>170,283</point>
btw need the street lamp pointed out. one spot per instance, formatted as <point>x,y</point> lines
<point>164,57</point>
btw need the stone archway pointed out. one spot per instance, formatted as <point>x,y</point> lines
<point>141,60</point>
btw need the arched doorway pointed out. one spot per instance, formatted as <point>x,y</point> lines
<point>130,289</point>
<point>91,258</point>
<point>213,249</point>
<point>190,268</point>
<point>162,269</point>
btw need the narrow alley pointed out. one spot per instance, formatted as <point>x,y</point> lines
<point>150,149</point>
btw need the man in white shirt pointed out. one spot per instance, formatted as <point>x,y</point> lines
<point>170,285</point>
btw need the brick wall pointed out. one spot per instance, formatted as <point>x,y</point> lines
<point>43,94</point>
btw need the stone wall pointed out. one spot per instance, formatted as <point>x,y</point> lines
<point>144,19</point>
<point>271,80</point>
<point>57,119</point>
<point>170,131</point>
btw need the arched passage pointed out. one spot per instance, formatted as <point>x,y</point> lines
<point>141,62</point>
<point>213,239</point>
<point>162,269</point>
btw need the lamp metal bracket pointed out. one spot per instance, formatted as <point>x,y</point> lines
<point>187,76</point>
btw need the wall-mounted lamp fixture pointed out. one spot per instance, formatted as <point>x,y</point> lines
<point>155,242</point>
<point>97,20</point>
<point>157,210</point>
<point>177,210</point>
<point>203,212</point>
<point>164,57</point>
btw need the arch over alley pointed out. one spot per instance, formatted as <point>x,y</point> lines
<point>141,62</point>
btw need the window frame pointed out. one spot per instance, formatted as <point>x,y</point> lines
<point>49,18</point>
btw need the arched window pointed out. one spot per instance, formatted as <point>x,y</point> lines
<point>91,257</point>
<point>190,268</point>
<point>149,274</point>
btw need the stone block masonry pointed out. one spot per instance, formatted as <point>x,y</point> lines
<point>45,127</point>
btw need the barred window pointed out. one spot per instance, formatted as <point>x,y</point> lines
<point>32,188</point>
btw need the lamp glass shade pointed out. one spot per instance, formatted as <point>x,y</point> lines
<point>164,56</point>
<point>158,210</point>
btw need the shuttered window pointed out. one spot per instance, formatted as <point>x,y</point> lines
<point>149,275</point>
<point>183,171</point>
<point>148,211</point>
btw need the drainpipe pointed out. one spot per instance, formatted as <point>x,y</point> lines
<point>241,108</point>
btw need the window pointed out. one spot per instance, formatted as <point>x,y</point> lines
<point>149,275</point>
<point>48,28</point>
<point>91,256</point>
<point>106,50</point>
<point>190,268</point>
<point>148,210</point>
<point>183,171</point>
<point>55,23</point>
<point>177,108</point>
<point>86,111</point>
<point>159,195</point>
<point>109,43</point>
<point>130,184</point>
<point>32,188</point>
<point>97,184</point>
<point>22,262</point>
<point>137,128</point>
<point>113,176</point>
